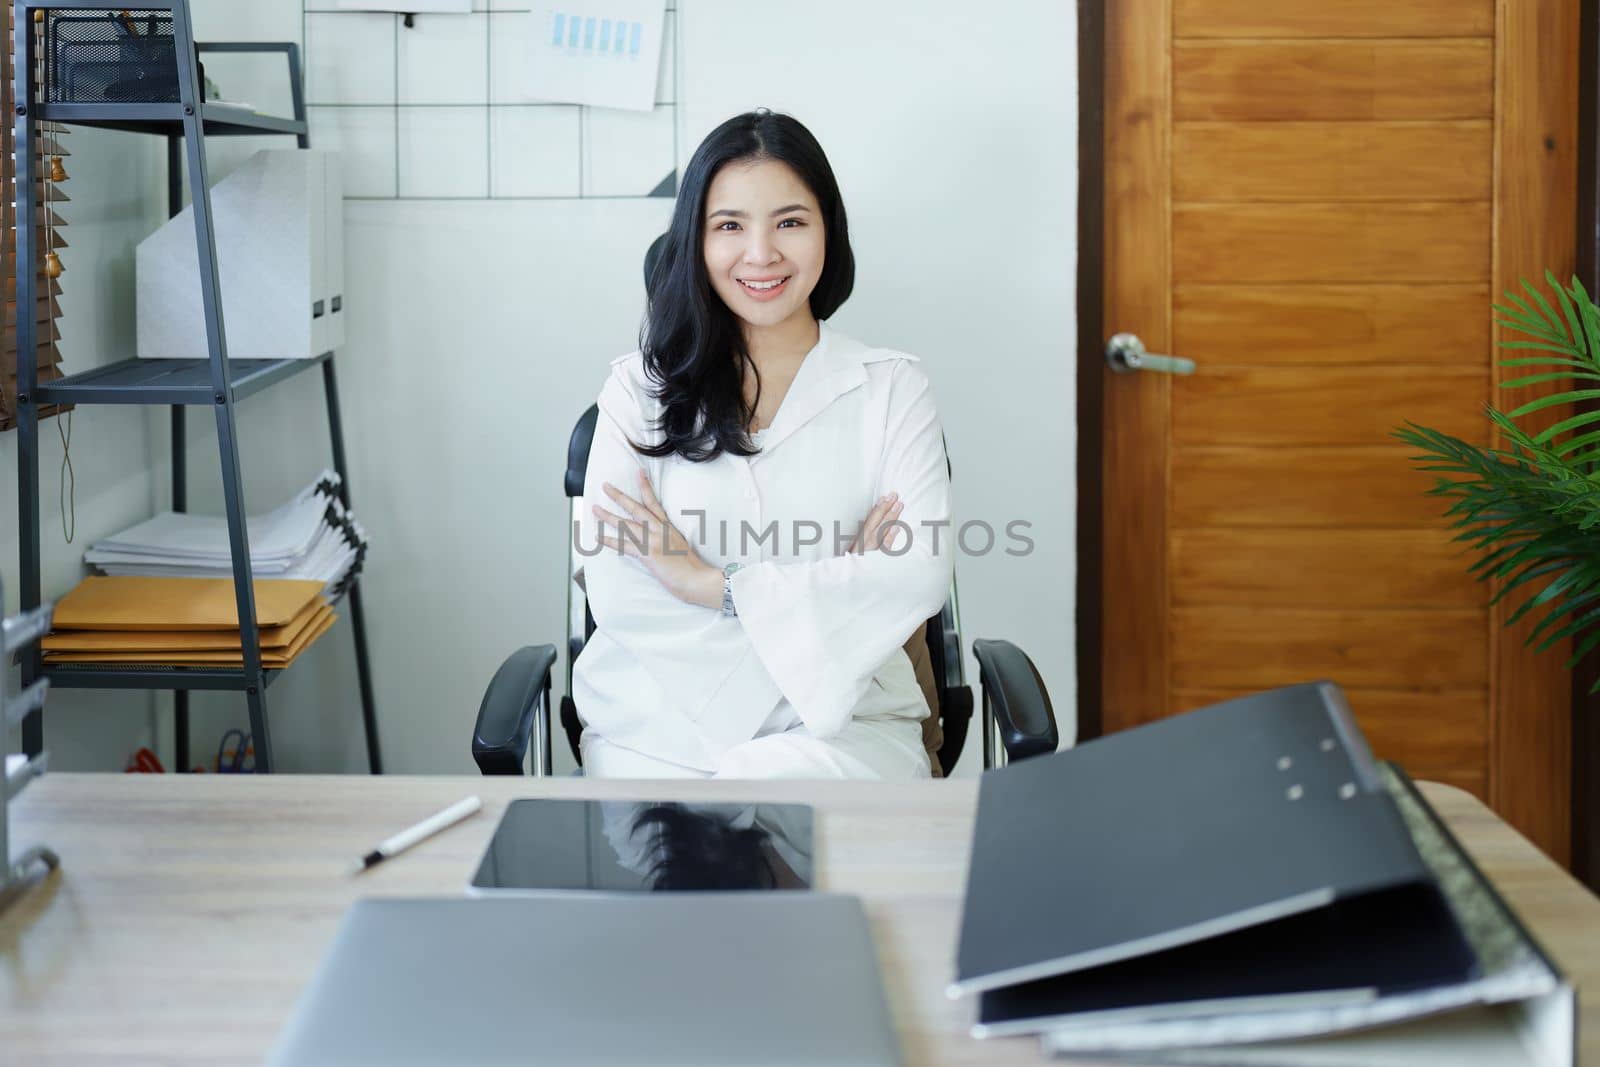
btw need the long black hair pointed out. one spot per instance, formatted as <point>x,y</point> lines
<point>698,850</point>
<point>694,349</point>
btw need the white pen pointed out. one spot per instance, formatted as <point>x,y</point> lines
<point>420,832</point>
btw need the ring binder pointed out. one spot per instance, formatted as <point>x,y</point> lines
<point>1266,880</point>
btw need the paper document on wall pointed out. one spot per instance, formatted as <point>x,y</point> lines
<point>604,53</point>
<point>410,7</point>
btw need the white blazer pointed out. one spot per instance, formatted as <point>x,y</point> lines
<point>818,636</point>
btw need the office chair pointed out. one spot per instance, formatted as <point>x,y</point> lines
<point>1017,720</point>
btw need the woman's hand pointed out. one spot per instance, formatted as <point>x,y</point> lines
<point>876,532</point>
<point>649,536</point>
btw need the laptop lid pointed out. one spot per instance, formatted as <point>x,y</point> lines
<point>709,979</point>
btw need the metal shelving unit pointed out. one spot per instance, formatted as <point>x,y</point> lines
<point>217,382</point>
<point>15,634</point>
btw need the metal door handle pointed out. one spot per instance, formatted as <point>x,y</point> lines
<point>1126,354</point>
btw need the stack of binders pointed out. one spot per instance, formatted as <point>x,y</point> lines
<point>310,537</point>
<point>1244,884</point>
<point>182,622</point>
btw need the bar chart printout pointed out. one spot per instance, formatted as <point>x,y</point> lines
<point>603,53</point>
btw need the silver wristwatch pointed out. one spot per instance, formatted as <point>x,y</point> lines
<point>727,588</point>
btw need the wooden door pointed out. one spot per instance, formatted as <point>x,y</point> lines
<point>1315,201</point>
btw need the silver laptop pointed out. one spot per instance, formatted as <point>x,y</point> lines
<point>709,979</point>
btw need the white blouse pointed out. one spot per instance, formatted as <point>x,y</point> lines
<point>819,632</point>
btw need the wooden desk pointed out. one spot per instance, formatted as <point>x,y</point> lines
<point>190,911</point>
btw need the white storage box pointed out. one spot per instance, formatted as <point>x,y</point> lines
<point>279,232</point>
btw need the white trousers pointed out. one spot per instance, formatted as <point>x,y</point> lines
<point>882,749</point>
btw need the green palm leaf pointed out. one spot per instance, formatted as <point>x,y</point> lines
<point>1529,507</point>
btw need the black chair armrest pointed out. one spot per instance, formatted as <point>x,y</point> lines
<point>510,705</point>
<point>1013,689</point>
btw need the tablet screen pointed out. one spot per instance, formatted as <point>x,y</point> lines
<point>629,845</point>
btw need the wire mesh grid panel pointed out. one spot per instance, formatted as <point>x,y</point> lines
<point>95,57</point>
<point>433,106</point>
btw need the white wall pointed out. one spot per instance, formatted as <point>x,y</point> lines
<point>480,330</point>
<point>953,132</point>
<point>117,189</point>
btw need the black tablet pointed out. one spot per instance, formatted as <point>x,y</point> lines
<point>650,846</point>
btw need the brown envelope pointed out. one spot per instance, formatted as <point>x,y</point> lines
<point>128,603</point>
<point>188,658</point>
<point>276,638</point>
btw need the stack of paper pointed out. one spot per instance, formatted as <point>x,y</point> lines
<point>182,622</point>
<point>310,537</point>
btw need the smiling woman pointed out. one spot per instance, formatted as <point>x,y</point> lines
<point>759,205</point>
<point>779,256</point>
<point>733,638</point>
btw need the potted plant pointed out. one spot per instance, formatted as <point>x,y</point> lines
<point>1529,504</point>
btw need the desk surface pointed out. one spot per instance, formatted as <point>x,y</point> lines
<point>191,910</point>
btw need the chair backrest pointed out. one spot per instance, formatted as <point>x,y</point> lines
<point>931,649</point>
<point>578,451</point>
<point>652,256</point>
<point>921,657</point>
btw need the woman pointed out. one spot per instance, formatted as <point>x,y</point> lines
<point>766,506</point>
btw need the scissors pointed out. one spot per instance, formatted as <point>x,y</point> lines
<point>232,761</point>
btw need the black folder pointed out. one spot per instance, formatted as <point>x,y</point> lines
<point>1244,884</point>
<point>1237,857</point>
<point>1189,829</point>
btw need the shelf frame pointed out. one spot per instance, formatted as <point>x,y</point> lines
<point>178,679</point>
<point>216,381</point>
<point>17,634</point>
<point>219,119</point>
<point>169,381</point>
